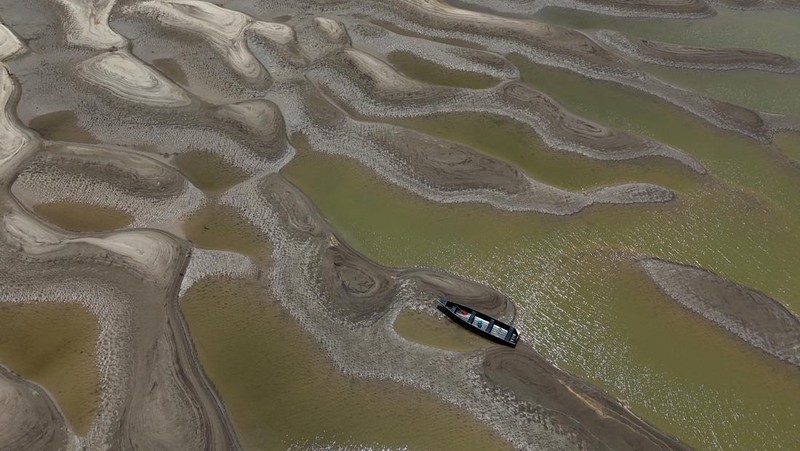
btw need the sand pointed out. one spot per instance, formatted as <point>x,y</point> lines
<point>146,108</point>
<point>750,315</point>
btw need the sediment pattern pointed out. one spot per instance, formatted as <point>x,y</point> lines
<point>752,316</point>
<point>148,81</point>
<point>29,418</point>
<point>693,57</point>
<point>316,275</point>
<point>131,80</point>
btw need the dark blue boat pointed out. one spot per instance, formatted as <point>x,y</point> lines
<point>480,323</point>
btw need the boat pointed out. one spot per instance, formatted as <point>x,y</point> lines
<point>480,323</point>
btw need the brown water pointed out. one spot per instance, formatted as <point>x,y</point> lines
<point>515,143</point>
<point>439,332</point>
<point>281,390</point>
<point>172,70</point>
<point>208,171</point>
<point>53,344</point>
<point>423,70</point>
<point>577,304</point>
<point>61,126</point>
<point>83,217</point>
<point>222,227</point>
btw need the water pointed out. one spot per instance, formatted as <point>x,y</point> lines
<point>53,345</point>
<point>82,217</point>
<point>281,390</point>
<point>771,30</point>
<point>423,70</point>
<point>222,227</point>
<point>438,332</point>
<point>577,305</point>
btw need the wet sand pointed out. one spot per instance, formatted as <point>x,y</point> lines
<point>135,100</point>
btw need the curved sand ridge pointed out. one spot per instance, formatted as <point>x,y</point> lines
<point>154,394</point>
<point>386,94</point>
<point>224,29</point>
<point>153,193</point>
<point>334,31</point>
<point>374,39</point>
<point>16,141</point>
<point>752,316</point>
<point>579,54</point>
<point>554,41</point>
<point>86,24</point>
<point>10,44</point>
<point>128,78</point>
<point>29,419</point>
<point>443,171</point>
<point>626,8</point>
<point>350,303</point>
<point>679,55</point>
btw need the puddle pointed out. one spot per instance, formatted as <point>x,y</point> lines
<point>223,228</point>
<point>209,171</point>
<point>82,217</point>
<point>172,70</point>
<point>61,126</point>
<point>53,345</point>
<point>423,70</point>
<point>440,333</point>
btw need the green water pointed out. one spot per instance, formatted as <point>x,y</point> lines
<point>424,70</point>
<point>515,143</point>
<point>775,31</point>
<point>789,144</point>
<point>572,312</point>
<point>281,390</point>
<point>438,332</point>
<point>578,308</point>
<point>758,90</point>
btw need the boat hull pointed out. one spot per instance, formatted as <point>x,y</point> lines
<point>479,321</point>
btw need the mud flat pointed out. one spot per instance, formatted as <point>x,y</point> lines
<point>319,276</point>
<point>241,332</point>
<point>752,316</point>
<point>143,189</point>
<point>129,280</point>
<point>29,417</point>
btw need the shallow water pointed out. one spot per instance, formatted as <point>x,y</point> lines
<point>772,30</point>
<point>570,308</point>
<point>222,227</point>
<point>82,217</point>
<point>209,171</point>
<point>439,332</point>
<point>517,144</point>
<point>423,70</point>
<point>759,90</point>
<point>53,345</point>
<point>281,390</point>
